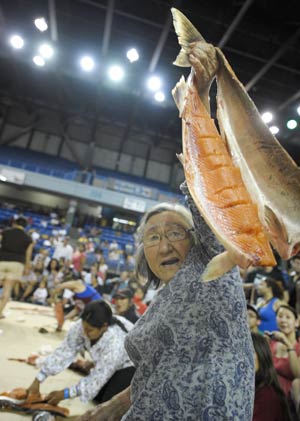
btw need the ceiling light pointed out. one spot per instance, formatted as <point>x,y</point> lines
<point>154,83</point>
<point>116,73</point>
<point>132,55</point>
<point>291,124</point>
<point>87,63</point>
<point>41,24</point>
<point>267,117</point>
<point>159,96</point>
<point>298,110</point>
<point>274,129</point>
<point>46,51</point>
<point>39,61</point>
<point>17,41</point>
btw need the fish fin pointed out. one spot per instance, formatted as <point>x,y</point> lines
<point>186,33</point>
<point>275,226</point>
<point>179,94</point>
<point>181,158</point>
<point>217,266</point>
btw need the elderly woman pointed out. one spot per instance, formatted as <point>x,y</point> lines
<point>192,348</point>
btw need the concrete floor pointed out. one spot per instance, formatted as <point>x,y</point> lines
<point>19,337</point>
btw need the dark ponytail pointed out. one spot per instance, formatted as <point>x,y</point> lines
<point>266,374</point>
<point>116,321</point>
<point>98,312</point>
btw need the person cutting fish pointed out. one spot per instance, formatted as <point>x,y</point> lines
<point>102,335</point>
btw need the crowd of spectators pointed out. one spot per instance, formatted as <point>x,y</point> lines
<point>72,272</point>
<point>68,273</point>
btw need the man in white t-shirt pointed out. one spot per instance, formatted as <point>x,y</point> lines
<point>63,249</point>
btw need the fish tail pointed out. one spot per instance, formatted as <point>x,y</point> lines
<point>218,265</point>
<point>179,94</point>
<point>186,33</point>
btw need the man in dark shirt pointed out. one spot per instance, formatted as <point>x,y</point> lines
<point>15,258</point>
<point>124,305</point>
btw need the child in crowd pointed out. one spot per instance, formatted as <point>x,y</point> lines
<point>40,294</point>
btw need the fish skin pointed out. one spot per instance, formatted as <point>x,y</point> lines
<point>271,176</point>
<point>201,140</point>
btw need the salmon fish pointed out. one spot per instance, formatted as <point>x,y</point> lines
<point>217,188</point>
<point>271,176</point>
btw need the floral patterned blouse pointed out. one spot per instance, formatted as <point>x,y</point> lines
<point>192,349</point>
<point>108,355</point>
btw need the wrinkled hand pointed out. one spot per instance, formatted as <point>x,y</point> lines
<point>55,397</point>
<point>203,58</point>
<point>107,411</point>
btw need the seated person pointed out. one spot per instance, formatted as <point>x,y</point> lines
<point>270,403</point>
<point>253,319</point>
<point>124,305</point>
<point>272,296</point>
<point>102,335</point>
<point>40,294</point>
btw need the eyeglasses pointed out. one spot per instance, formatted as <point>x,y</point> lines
<point>173,234</point>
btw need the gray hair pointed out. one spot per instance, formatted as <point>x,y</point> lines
<point>142,269</point>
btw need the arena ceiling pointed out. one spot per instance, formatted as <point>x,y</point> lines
<point>260,38</point>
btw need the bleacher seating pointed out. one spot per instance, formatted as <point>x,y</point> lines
<point>108,179</point>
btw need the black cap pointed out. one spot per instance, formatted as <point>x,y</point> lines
<point>123,293</point>
<point>252,308</point>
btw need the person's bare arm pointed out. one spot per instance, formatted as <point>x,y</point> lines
<point>112,410</point>
<point>28,256</point>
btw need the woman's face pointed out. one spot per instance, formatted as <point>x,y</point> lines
<point>295,263</point>
<point>286,321</point>
<point>262,287</point>
<point>91,332</point>
<point>53,264</point>
<point>166,257</point>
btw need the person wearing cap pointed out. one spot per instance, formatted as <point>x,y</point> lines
<point>124,305</point>
<point>253,319</point>
<point>102,335</point>
<point>15,258</point>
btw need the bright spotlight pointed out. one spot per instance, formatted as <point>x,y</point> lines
<point>116,73</point>
<point>38,61</point>
<point>2,178</point>
<point>291,124</point>
<point>87,63</point>
<point>274,129</point>
<point>267,117</point>
<point>46,51</point>
<point>159,96</point>
<point>154,83</point>
<point>132,55</point>
<point>298,110</point>
<point>17,42</point>
<point>41,24</point>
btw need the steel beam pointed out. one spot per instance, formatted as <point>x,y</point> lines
<point>235,23</point>
<point>272,60</point>
<point>289,101</point>
<point>52,20</point>
<point>107,27</point>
